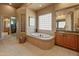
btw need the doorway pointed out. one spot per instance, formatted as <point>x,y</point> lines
<point>7,26</point>
<point>13,24</point>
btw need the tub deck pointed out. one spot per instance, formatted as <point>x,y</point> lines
<point>43,44</point>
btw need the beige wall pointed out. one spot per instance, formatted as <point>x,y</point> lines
<point>27,12</point>
<point>75,10</point>
<point>46,10</point>
<point>30,13</point>
<point>21,20</point>
<point>52,9</point>
<point>6,10</point>
<point>64,5</point>
<point>49,9</point>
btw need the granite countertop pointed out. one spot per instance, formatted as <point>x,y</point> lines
<point>69,32</point>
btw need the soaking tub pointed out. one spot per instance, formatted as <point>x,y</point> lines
<point>43,41</point>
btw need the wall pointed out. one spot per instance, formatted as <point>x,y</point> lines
<point>6,10</point>
<point>30,13</point>
<point>21,20</point>
<point>53,9</point>
<point>49,9</point>
<point>60,6</point>
<point>27,12</point>
<point>66,12</point>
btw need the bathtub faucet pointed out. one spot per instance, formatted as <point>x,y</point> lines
<point>40,35</point>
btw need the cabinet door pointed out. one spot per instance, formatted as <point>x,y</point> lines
<point>78,42</point>
<point>59,38</point>
<point>70,41</point>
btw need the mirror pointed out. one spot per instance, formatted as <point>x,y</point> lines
<point>69,21</point>
<point>64,21</point>
<point>78,23</point>
<point>76,15</point>
<point>60,24</point>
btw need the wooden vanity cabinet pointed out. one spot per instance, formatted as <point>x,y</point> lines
<point>66,40</point>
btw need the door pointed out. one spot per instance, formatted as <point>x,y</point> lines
<point>59,39</point>
<point>78,42</point>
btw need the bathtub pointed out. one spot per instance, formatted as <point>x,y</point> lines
<point>41,40</point>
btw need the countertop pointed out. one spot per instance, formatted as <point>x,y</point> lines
<point>69,32</point>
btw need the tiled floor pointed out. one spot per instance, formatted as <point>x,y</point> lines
<point>11,47</point>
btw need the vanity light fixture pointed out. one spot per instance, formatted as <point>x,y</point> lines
<point>10,3</point>
<point>40,5</point>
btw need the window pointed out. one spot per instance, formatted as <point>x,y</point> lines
<point>60,24</point>
<point>45,22</point>
<point>32,21</point>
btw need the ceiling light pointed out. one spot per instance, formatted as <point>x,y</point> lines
<point>40,5</point>
<point>10,3</point>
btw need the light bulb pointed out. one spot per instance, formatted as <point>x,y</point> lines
<point>10,3</point>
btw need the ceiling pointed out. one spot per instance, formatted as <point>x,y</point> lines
<point>38,6</point>
<point>15,5</point>
<point>34,6</point>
